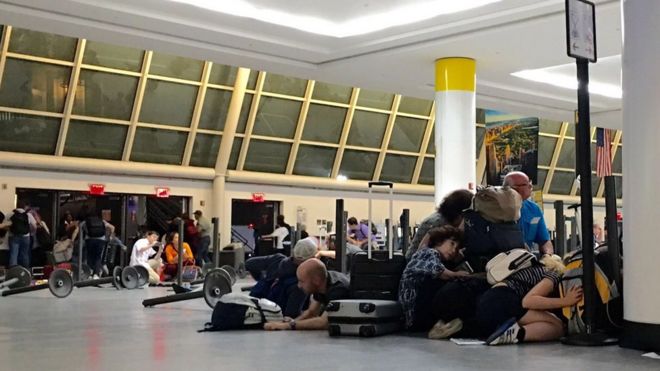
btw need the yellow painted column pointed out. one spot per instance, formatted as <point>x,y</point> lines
<point>455,130</point>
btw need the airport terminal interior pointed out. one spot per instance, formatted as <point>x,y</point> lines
<point>275,140</point>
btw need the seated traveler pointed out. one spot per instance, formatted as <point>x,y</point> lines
<point>143,252</point>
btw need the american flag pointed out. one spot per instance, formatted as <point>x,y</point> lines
<point>603,154</point>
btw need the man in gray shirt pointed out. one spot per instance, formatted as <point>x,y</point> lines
<point>204,229</point>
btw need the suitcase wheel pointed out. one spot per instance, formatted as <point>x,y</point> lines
<point>334,330</point>
<point>367,331</point>
<point>367,307</point>
<point>332,307</point>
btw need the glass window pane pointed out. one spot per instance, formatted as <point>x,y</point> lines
<point>367,129</point>
<point>168,103</point>
<point>595,183</point>
<point>95,140</point>
<point>275,83</point>
<point>415,106</point>
<point>235,151</point>
<point>540,181</point>
<point>397,168</point>
<point>430,149</point>
<point>214,112</point>
<point>158,146</point>
<point>252,79</point>
<point>617,165</point>
<point>205,150</point>
<point>332,92</point>
<point>324,123</point>
<point>375,99</point>
<point>562,182</point>
<point>567,154</point>
<point>267,157</point>
<point>175,66</point>
<point>113,56</point>
<point>549,126</point>
<point>546,149</point>
<point>28,133</point>
<point>593,156</point>
<point>34,85</point>
<point>245,113</point>
<point>618,181</point>
<point>314,161</point>
<point>571,130</point>
<point>358,165</point>
<point>223,75</point>
<point>426,176</point>
<point>481,116</point>
<point>407,134</point>
<point>277,117</point>
<point>105,95</point>
<point>42,44</point>
<point>481,132</point>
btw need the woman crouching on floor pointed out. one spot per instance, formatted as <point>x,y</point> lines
<point>519,309</point>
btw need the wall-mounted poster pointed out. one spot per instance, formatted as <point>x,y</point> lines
<point>511,145</point>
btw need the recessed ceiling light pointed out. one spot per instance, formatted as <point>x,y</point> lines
<point>402,15</point>
<point>564,77</point>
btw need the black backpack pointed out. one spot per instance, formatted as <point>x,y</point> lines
<point>95,227</point>
<point>20,224</point>
<point>484,239</point>
<point>43,237</point>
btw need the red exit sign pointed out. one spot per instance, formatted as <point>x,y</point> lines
<point>97,189</point>
<point>162,192</point>
<point>258,197</point>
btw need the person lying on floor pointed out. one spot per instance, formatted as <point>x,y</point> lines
<point>276,277</point>
<point>424,275</point>
<point>518,309</point>
<point>323,286</point>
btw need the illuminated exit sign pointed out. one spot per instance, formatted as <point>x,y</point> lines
<point>162,192</point>
<point>258,197</point>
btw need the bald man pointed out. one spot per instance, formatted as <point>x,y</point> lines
<point>531,220</point>
<point>324,286</point>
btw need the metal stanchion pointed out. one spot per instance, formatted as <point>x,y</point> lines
<point>560,228</point>
<point>613,247</point>
<point>81,243</point>
<point>179,273</point>
<point>405,231</point>
<point>340,236</point>
<point>215,241</point>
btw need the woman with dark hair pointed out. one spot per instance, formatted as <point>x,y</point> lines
<point>449,212</point>
<point>425,274</point>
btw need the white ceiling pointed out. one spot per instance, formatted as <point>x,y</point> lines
<point>503,37</point>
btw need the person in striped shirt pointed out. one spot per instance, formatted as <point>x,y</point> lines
<point>518,308</point>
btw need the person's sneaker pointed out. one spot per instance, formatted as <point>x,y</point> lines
<point>507,333</point>
<point>442,330</point>
<point>95,277</point>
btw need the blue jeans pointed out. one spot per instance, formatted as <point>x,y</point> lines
<point>203,252</point>
<point>19,251</point>
<point>94,249</point>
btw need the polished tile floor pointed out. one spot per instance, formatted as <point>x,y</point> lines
<point>105,329</point>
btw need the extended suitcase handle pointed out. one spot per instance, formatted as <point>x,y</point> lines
<point>381,184</point>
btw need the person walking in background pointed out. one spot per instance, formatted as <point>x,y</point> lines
<point>204,230</point>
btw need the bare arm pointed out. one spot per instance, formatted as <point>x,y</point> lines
<point>312,311</point>
<point>547,248</point>
<point>316,323</point>
<point>537,298</point>
<point>326,254</point>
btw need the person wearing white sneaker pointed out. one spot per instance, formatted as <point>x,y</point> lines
<point>518,307</point>
<point>424,275</point>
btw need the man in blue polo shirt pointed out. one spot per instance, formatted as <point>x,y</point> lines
<point>531,215</point>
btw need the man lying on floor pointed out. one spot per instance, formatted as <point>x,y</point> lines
<point>323,286</point>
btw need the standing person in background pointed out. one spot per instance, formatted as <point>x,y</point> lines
<point>20,224</point>
<point>204,229</point>
<point>190,234</point>
<point>283,235</point>
<point>95,231</point>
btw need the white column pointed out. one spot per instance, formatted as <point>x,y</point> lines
<point>641,153</point>
<point>455,130</point>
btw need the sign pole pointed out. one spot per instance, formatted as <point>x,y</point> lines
<point>581,44</point>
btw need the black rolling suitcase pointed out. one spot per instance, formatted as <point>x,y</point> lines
<point>376,274</point>
<point>364,317</point>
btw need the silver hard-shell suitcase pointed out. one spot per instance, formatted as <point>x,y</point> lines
<point>364,317</point>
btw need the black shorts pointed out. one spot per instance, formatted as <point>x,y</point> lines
<point>496,306</point>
